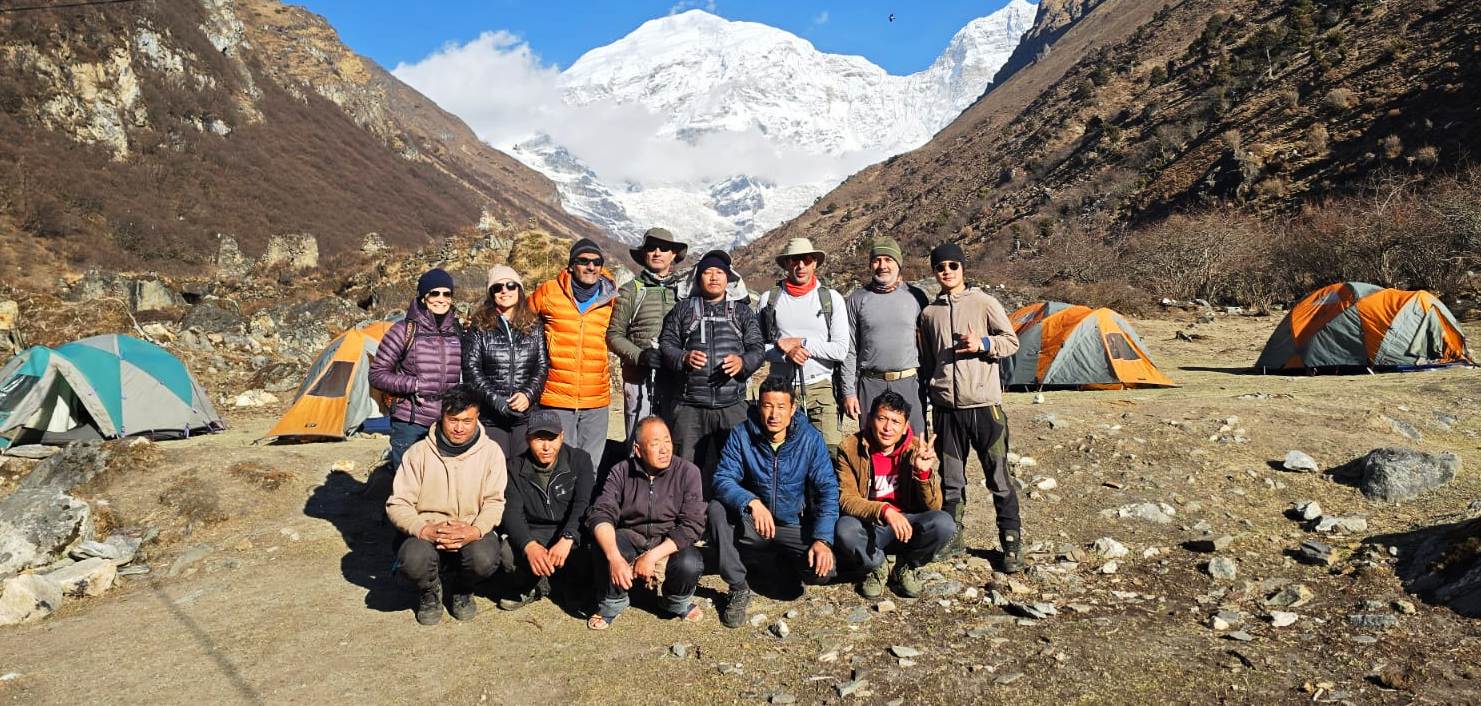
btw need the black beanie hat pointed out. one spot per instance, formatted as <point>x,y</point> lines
<point>947,252</point>
<point>432,279</point>
<point>583,246</point>
<point>714,258</point>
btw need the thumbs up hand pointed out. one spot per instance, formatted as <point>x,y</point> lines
<point>970,342</point>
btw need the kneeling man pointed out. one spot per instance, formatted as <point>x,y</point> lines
<point>645,521</point>
<point>447,497</point>
<point>889,499</point>
<point>780,494</point>
<point>550,486</point>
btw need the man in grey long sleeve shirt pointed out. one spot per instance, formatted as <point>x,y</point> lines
<point>806,338</point>
<point>883,355</point>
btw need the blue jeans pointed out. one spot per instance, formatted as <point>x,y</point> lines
<point>865,547</point>
<point>403,435</point>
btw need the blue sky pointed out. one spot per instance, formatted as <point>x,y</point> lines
<point>560,32</point>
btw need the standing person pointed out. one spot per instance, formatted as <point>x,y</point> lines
<point>889,500</point>
<point>447,498</point>
<point>576,307</point>
<point>645,522</point>
<point>780,495</point>
<point>715,345</point>
<point>636,320</point>
<point>883,355</point>
<point>550,487</point>
<point>963,334</point>
<point>806,329</point>
<point>419,358</point>
<point>504,359</point>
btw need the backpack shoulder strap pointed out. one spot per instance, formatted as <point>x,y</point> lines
<point>411,337</point>
<point>640,292</point>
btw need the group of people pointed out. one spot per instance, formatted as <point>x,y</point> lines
<point>498,430</point>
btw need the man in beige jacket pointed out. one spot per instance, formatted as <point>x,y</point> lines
<point>963,335</point>
<point>447,498</point>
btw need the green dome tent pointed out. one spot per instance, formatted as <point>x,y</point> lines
<point>102,387</point>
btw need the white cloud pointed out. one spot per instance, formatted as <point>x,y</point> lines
<point>821,19</point>
<point>687,5</point>
<point>507,94</point>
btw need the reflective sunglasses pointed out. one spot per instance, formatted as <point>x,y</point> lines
<point>440,294</point>
<point>804,259</point>
<point>497,287</point>
<point>949,265</point>
<point>589,261</point>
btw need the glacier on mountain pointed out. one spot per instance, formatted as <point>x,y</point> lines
<point>738,126</point>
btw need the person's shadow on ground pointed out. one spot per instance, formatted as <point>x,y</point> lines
<point>358,511</point>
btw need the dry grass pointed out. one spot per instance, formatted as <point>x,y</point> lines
<point>197,501</point>
<point>260,475</point>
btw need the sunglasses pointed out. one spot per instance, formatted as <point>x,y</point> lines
<point>661,247</point>
<point>497,287</point>
<point>948,266</point>
<point>589,261</point>
<point>804,259</point>
<point>440,294</point>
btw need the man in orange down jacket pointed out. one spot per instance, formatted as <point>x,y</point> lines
<point>576,307</point>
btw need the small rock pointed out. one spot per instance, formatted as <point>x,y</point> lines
<point>758,619</point>
<point>943,588</point>
<point>781,697</point>
<point>1405,607</point>
<point>1300,462</point>
<point>969,593</point>
<point>343,465</point>
<point>1364,639</point>
<point>1222,568</point>
<point>1046,484</point>
<point>1343,525</point>
<point>858,615</point>
<point>1160,513</point>
<point>28,598</point>
<point>1038,398</point>
<point>790,614</point>
<point>780,630</point>
<point>254,398</point>
<point>1225,619</point>
<point>1307,510</point>
<point>1110,567</point>
<point>187,560</point>
<point>1314,552</point>
<point>829,656</point>
<point>849,688</point>
<point>1372,621</point>
<point>1109,548</point>
<point>679,649</point>
<point>89,577</point>
<point>34,452</point>
<point>904,651</point>
<point>1037,611</point>
<point>728,668</point>
<point>1008,678</point>
<point>1292,596</point>
<point>1282,618</point>
<point>885,606</point>
<point>1240,636</point>
<point>1210,544</point>
<point>1027,462</point>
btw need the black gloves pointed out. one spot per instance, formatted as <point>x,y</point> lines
<point>649,358</point>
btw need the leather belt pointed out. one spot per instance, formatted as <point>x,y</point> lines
<point>888,375</point>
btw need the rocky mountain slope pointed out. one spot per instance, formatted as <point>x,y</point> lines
<point>780,121</point>
<point>132,134</point>
<point>1119,112</point>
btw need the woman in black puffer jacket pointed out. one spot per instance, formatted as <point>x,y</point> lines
<point>505,360</point>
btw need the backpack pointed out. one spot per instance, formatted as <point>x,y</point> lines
<point>696,307</point>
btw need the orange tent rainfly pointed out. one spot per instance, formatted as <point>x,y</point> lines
<point>1067,345</point>
<point>335,398</point>
<point>1360,325</point>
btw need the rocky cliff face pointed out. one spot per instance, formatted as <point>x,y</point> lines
<point>1138,110</point>
<point>134,133</point>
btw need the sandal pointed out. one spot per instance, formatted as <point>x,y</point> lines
<point>599,622</point>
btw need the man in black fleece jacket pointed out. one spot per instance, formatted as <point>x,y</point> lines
<point>550,486</point>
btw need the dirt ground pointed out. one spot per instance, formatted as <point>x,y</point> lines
<point>291,601</point>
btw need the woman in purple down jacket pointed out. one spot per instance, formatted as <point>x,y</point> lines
<point>419,358</point>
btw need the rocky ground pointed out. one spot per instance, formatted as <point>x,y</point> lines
<point>1167,563</point>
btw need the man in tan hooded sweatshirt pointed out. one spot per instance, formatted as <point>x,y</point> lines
<point>447,498</point>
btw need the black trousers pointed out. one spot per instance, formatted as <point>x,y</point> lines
<point>864,544</point>
<point>572,578</point>
<point>700,434</point>
<point>680,578</point>
<point>510,436</point>
<point>421,562</point>
<point>985,431</point>
<point>790,544</point>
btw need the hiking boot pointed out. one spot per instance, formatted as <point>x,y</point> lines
<point>873,584</point>
<point>462,607</point>
<point>1012,541</point>
<point>958,544</point>
<point>429,606</point>
<point>906,580</point>
<point>736,603</point>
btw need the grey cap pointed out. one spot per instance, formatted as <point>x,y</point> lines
<point>544,421</point>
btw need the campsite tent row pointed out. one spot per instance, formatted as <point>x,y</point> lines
<point>102,387</point>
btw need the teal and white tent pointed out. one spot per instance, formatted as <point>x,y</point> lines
<point>102,387</point>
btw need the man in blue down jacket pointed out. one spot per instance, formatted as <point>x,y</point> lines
<point>780,493</point>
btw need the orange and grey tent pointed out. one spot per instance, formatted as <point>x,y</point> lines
<point>1072,346</point>
<point>1360,325</point>
<point>335,398</point>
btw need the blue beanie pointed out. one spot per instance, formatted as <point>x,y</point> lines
<point>433,279</point>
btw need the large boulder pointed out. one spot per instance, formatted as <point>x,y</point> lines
<point>210,316</point>
<point>296,251</point>
<point>303,329</point>
<point>39,521</point>
<point>1395,474</point>
<point>1441,564</point>
<point>10,334</point>
<point>231,264</point>
<point>152,295</point>
<point>28,598</point>
<point>89,577</point>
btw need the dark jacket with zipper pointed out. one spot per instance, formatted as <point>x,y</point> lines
<point>533,514</point>
<point>419,376</point>
<point>650,509</point>
<point>504,361</point>
<point>719,329</point>
<point>796,482</point>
